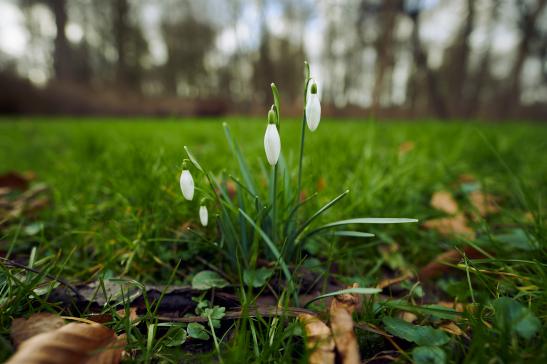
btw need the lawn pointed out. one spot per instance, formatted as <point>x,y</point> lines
<point>116,211</point>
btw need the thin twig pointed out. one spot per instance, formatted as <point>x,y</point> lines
<point>269,311</point>
<point>13,264</point>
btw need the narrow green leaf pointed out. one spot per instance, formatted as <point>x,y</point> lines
<point>433,310</point>
<point>273,249</point>
<point>363,220</point>
<point>193,159</point>
<point>357,290</point>
<point>319,212</point>
<point>242,164</point>
<point>352,234</point>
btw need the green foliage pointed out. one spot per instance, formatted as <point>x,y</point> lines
<point>257,277</point>
<point>208,279</point>
<point>511,316</point>
<point>421,335</point>
<point>428,355</point>
<point>197,331</point>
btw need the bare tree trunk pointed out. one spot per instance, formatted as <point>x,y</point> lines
<point>120,26</point>
<point>436,100</point>
<point>529,33</point>
<point>61,53</point>
<point>384,50</point>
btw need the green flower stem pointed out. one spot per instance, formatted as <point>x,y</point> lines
<point>303,134</point>
<point>274,205</point>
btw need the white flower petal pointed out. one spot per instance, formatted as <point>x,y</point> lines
<point>272,144</point>
<point>203,215</point>
<point>313,111</point>
<point>187,185</point>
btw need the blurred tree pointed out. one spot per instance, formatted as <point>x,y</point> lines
<point>531,40</point>
<point>423,77</point>
<point>131,46</point>
<point>188,41</point>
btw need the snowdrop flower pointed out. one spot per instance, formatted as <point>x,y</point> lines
<point>186,183</point>
<point>203,215</point>
<point>272,142</point>
<point>313,107</point>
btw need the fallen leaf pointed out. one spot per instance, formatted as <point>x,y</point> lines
<point>442,262</point>
<point>443,201</point>
<point>452,328</point>
<point>341,322</point>
<point>448,226</point>
<point>15,180</point>
<point>23,329</point>
<point>386,282</point>
<point>459,307</point>
<point>484,203</point>
<point>408,316</point>
<point>319,340</point>
<point>72,343</point>
<point>406,147</point>
<point>321,184</point>
<point>466,178</point>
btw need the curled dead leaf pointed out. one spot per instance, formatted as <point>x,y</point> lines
<point>484,203</point>
<point>341,323</point>
<point>452,328</point>
<point>23,329</point>
<point>408,316</point>
<point>319,339</point>
<point>386,282</point>
<point>406,147</point>
<point>442,262</point>
<point>443,201</point>
<point>72,343</point>
<point>448,226</point>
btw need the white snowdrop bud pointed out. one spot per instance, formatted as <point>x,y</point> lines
<point>272,144</point>
<point>203,215</point>
<point>187,184</point>
<point>313,107</point>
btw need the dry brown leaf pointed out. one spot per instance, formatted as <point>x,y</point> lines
<point>408,316</point>
<point>443,201</point>
<point>406,147</point>
<point>321,184</point>
<point>466,178</point>
<point>15,180</point>
<point>448,226</point>
<point>440,264</point>
<point>72,343</point>
<point>319,339</point>
<point>341,323</point>
<point>484,203</point>
<point>23,329</point>
<point>386,282</point>
<point>459,307</point>
<point>452,328</point>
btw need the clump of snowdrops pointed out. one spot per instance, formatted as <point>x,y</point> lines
<point>267,224</point>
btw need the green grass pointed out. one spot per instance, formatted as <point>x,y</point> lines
<point>117,211</point>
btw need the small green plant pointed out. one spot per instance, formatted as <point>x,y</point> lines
<point>255,224</point>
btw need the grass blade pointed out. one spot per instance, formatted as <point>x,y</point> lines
<point>274,251</point>
<point>319,212</point>
<point>357,290</point>
<point>193,159</point>
<point>242,164</point>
